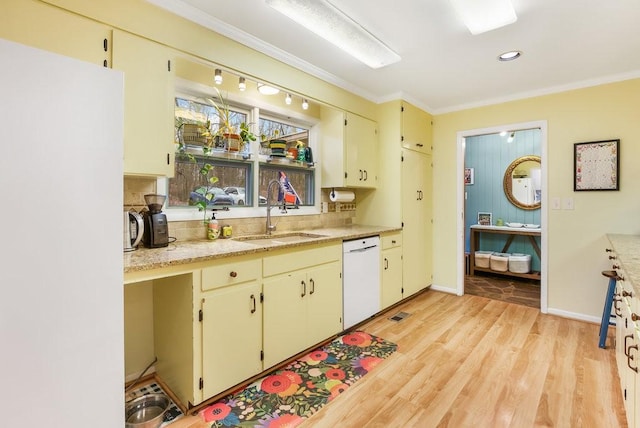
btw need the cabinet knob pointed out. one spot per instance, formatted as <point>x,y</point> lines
<point>393,241</point>
<point>615,267</point>
<point>612,257</point>
<point>626,293</point>
<point>233,274</point>
<point>634,317</point>
<point>608,250</point>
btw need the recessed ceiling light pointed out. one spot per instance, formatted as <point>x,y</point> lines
<point>509,56</point>
<point>267,90</point>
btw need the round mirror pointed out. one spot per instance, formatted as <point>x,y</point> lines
<point>523,182</point>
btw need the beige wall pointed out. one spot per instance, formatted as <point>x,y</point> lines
<point>576,238</point>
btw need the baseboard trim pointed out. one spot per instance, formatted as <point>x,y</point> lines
<point>573,315</point>
<point>448,290</point>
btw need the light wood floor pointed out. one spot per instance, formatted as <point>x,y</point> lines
<point>474,362</point>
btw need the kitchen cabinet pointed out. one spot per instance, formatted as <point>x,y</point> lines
<point>627,339</point>
<point>211,325</point>
<point>302,300</point>
<point>391,285</point>
<point>208,327</point>
<point>32,23</point>
<point>149,99</point>
<point>231,336</point>
<point>416,221</point>
<point>627,354</point>
<point>416,129</point>
<point>349,150</point>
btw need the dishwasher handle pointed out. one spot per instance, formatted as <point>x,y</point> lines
<point>360,250</point>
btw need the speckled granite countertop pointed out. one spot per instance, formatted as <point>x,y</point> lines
<point>627,250</point>
<point>185,252</point>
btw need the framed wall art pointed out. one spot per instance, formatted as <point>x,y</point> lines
<point>468,176</point>
<point>596,165</point>
<point>484,219</point>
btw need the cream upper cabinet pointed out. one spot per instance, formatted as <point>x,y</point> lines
<point>391,284</point>
<point>149,99</point>
<point>39,25</point>
<point>349,149</point>
<point>416,221</point>
<point>416,128</point>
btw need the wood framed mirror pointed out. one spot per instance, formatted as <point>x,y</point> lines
<point>523,182</point>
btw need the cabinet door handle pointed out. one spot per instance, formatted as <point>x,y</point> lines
<point>313,286</point>
<point>612,257</point>
<point>360,174</point>
<point>626,348</point>
<point>615,267</point>
<point>366,175</point>
<point>626,293</point>
<point>304,288</point>
<point>608,250</point>
<point>419,144</point>
<point>233,274</point>
<point>393,241</point>
<point>386,263</point>
<point>634,317</point>
<point>418,195</point>
<point>618,311</point>
<point>630,358</point>
<point>253,304</point>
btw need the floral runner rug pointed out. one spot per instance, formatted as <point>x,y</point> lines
<point>288,396</point>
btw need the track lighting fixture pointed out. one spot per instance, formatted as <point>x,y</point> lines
<point>287,99</point>
<point>218,76</point>
<point>242,84</point>
<point>305,104</point>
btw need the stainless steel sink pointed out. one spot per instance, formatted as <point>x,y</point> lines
<point>283,238</point>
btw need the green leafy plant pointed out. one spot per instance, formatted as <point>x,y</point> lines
<point>204,191</point>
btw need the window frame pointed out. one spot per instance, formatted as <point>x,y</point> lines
<point>253,107</point>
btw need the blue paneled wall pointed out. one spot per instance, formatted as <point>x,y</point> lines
<point>489,156</point>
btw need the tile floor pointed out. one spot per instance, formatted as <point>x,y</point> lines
<point>507,289</point>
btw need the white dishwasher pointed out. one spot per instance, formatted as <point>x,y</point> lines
<point>360,279</point>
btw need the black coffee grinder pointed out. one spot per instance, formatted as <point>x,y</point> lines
<point>156,229</point>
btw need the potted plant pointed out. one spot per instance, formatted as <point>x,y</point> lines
<point>226,131</point>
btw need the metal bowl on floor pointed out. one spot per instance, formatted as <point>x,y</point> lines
<point>146,411</point>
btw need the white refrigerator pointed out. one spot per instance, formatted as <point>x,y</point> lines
<point>61,274</point>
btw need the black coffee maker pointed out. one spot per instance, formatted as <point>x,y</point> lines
<point>156,229</point>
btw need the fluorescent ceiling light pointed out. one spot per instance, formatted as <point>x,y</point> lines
<point>485,15</point>
<point>330,23</point>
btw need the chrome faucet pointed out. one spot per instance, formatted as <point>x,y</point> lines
<point>271,227</point>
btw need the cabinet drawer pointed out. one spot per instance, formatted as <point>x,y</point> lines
<point>230,271</point>
<point>391,240</point>
<point>290,260</point>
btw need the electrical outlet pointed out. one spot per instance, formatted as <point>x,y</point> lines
<point>555,203</point>
<point>567,203</point>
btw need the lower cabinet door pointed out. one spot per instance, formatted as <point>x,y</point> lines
<point>391,277</point>
<point>324,304</point>
<point>231,336</point>
<point>285,316</point>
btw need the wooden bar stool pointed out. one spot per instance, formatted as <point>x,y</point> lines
<point>608,302</point>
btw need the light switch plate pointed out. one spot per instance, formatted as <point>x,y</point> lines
<point>567,203</point>
<point>555,203</point>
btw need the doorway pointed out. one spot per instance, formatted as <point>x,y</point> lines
<point>487,173</point>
